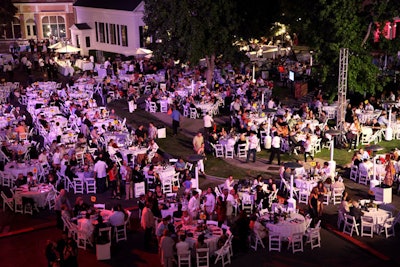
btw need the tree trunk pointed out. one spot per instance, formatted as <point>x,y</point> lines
<point>367,34</point>
<point>210,61</point>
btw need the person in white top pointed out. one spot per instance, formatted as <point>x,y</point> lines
<point>43,159</point>
<point>229,183</point>
<point>275,148</point>
<point>100,170</point>
<point>209,202</point>
<point>194,205</point>
<point>253,143</point>
<point>208,123</point>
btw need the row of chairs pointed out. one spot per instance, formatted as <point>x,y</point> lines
<point>367,226</point>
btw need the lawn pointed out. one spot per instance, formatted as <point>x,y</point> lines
<point>341,156</point>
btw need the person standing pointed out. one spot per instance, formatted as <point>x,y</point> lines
<point>253,143</point>
<point>275,148</point>
<point>194,205</point>
<point>176,117</point>
<point>100,173</point>
<point>61,200</point>
<point>147,223</point>
<point>208,124</point>
<point>167,247</point>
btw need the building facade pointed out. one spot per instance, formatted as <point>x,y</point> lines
<point>112,26</point>
<point>40,19</point>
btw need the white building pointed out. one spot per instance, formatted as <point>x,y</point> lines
<point>108,25</point>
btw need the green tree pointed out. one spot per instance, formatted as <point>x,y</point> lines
<point>192,29</point>
<point>7,11</point>
<point>328,25</point>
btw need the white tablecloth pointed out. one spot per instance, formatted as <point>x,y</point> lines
<point>38,196</point>
<point>17,168</point>
<point>379,216</point>
<point>289,226</point>
<point>211,240</point>
<point>308,184</point>
<point>84,65</point>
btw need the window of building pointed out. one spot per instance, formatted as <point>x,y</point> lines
<point>124,35</point>
<point>113,34</point>
<point>87,39</point>
<point>30,27</point>
<point>118,36</point>
<point>102,38</point>
<point>53,26</point>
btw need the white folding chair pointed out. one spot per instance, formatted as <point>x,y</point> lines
<point>78,186</point>
<point>219,150</point>
<point>274,242</point>
<point>367,226</point>
<point>9,201</point>
<point>223,255</point>
<point>90,184</point>
<point>242,151</point>
<point>388,227</point>
<point>120,232</point>
<point>202,257</point>
<point>354,173</point>
<point>350,225</point>
<point>193,113</point>
<point>255,240</point>
<point>296,242</point>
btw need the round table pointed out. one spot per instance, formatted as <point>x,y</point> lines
<point>211,239</point>
<point>38,194</point>
<point>17,168</point>
<point>295,224</point>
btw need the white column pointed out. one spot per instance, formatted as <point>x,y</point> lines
<point>291,201</point>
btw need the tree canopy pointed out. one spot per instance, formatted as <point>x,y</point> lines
<point>329,25</point>
<point>7,11</point>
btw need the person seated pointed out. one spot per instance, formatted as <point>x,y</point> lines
<point>345,204</point>
<point>180,165</point>
<point>338,184</point>
<point>178,213</point>
<point>157,159</point>
<point>257,227</point>
<point>85,225</point>
<point>258,181</point>
<point>31,180</point>
<point>80,206</point>
<point>65,213</point>
<point>355,211</point>
<point>186,219</point>
<point>222,239</point>
<point>182,247</point>
<point>118,216</point>
<point>187,184</point>
<point>21,180</point>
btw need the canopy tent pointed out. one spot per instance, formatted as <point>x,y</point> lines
<point>56,45</point>
<point>68,49</point>
<point>143,52</point>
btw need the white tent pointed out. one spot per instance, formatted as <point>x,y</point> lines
<point>143,52</point>
<point>56,45</point>
<point>68,49</point>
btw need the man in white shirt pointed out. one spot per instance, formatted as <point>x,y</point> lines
<point>194,204</point>
<point>275,148</point>
<point>209,202</point>
<point>253,143</point>
<point>229,183</point>
<point>100,173</point>
<point>43,159</point>
<point>208,123</point>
